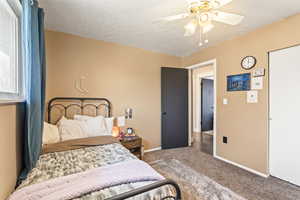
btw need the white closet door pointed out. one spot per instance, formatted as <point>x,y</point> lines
<point>285,114</point>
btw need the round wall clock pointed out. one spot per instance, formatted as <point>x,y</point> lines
<point>248,62</point>
<point>130,131</point>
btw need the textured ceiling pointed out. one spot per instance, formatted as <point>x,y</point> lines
<point>134,22</point>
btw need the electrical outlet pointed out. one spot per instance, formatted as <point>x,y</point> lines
<point>225,139</point>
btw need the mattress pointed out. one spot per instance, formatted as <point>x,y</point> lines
<point>58,164</point>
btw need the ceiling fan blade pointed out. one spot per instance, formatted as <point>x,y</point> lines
<point>175,17</point>
<point>193,2</point>
<point>222,2</point>
<point>228,18</point>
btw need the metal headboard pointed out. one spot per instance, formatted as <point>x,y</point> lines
<point>80,105</point>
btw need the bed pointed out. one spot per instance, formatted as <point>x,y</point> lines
<point>81,156</point>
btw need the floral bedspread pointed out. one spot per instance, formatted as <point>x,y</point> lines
<point>58,164</point>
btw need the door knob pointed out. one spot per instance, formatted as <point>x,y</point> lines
<point>164,113</point>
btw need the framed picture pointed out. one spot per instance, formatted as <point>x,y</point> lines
<point>239,82</point>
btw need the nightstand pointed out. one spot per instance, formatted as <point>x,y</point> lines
<point>134,145</point>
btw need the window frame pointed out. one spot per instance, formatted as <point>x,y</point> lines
<point>7,97</point>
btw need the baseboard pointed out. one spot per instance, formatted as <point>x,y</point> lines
<point>208,133</point>
<point>243,167</point>
<point>154,149</point>
<point>196,130</point>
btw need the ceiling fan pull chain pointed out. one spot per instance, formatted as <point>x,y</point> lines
<point>205,38</point>
<point>200,36</point>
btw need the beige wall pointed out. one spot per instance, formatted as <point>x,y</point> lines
<point>11,119</point>
<point>129,77</point>
<point>246,125</point>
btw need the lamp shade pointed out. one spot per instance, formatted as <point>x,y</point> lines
<point>115,131</point>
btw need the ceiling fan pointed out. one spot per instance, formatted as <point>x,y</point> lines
<point>202,14</point>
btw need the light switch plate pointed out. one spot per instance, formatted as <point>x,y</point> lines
<point>257,83</point>
<point>252,96</point>
<point>225,101</point>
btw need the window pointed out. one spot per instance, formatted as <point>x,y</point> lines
<point>11,80</point>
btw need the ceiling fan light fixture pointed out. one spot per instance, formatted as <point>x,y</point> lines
<point>190,28</point>
<point>202,13</point>
<point>204,17</point>
<point>208,27</point>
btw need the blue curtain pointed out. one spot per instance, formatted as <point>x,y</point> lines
<point>34,63</point>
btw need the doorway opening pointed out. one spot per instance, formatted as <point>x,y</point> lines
<point>203,106</point>
<point>207,114</point>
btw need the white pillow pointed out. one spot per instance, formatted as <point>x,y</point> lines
<point>96,126</point>
<point>72,129</point>
<point>109,124</point>
<point>82,117</point>
<point>50,134</point>
<point>106,124</point>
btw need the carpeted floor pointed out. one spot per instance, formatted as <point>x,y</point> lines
<point>243,183</point>
<point>194,185</point>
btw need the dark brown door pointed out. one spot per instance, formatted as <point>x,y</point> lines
<point>174,106</point>
<point>207,105</point>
